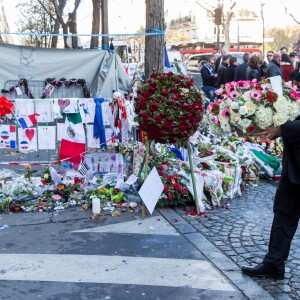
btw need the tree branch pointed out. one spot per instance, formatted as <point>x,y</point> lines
<point>210,11</point>
<point>290,14</point>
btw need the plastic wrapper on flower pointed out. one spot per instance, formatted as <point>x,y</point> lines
<point>168,107</point>
<point>213,181</point>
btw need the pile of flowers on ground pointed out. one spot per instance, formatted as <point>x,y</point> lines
<point>251,105</point>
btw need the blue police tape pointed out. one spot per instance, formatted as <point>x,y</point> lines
<point>154,31</point>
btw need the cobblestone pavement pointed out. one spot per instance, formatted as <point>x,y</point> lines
<point>241,228</point>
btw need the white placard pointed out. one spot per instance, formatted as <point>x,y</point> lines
<point>131,179</point>
<point>276,83</point>
<point>44,109</point>
<point>60,131</point>
<point>148,193</point>
<point>46,137</point>
<point>24,107</point>
<point>91,141</point>
<point>27,139</point>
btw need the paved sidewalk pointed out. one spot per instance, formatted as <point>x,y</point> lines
<point>240,229</point>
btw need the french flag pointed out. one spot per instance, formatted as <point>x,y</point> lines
<point>28,121</point>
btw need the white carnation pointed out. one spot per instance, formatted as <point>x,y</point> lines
<point>281,104</point>
<point>246,96</point>
<point>234,105</point>
<point>234,117</point>
<point>280,118</point>
<point>294,111</point>
<point>264,117</point>
<point>251,107</point>
<point>245,123</point>
<point>243,110</point>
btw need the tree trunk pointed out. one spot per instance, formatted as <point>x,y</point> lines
<point>104,24</point>
<point>226,26</point>
<point>95,24</point>
<point>59,9</point>
<point>154,48</point>
<point>72,23</point>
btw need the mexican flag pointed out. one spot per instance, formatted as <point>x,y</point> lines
<point>72,145</point>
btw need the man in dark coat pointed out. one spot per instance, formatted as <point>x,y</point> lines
<point>209,78</point>
<point>286,204</point>
<point>240,71</point>
<point>273,68</point>
<point>219,60</point>
<point>224,64</point>
<point>230,71</point>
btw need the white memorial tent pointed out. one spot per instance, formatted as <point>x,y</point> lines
<point>102,70</point>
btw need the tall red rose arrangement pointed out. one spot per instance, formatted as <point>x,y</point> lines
<point>168,107</point>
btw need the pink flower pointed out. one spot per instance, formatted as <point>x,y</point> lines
<point>295,95</point>
<point>234,94</point>
<point>219,91</point>
<point>56,197</point>
<point>266,87</point>
<point>215,120</point>
<point>288,84</point>
<point>225,112</point>
<point>256,95</point>
<point>243,84</point>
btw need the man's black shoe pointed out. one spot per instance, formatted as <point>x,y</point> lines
<point>263,270</point>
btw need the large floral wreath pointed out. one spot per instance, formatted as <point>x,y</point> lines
<point>168,107</point>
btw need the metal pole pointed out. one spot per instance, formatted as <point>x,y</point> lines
<point>238,35</point>
<point>104,24</point>
<point>218,38</point>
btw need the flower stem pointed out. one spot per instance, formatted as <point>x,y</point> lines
<point>192,175</point>
<point>145,173</point>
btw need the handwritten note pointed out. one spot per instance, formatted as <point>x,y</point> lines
<point>148,193</point>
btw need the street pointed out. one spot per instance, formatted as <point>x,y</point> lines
<point>168,255</point>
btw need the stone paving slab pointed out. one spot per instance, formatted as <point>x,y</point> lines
<point>240,230</point>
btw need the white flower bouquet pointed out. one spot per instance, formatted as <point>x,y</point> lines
<point>248,105</point>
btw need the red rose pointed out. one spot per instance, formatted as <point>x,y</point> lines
<point>166,188</point>
<point>154,106</point>
<point>170,197</point>
<point>176,186</point>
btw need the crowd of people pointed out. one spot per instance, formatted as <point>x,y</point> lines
<point>218,70</point>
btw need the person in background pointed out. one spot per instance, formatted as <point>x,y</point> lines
<point>253,70</point>
<point>219,60</point>
<point>224,64</point>
<point>286,66</point>
<point>283,50</point>
<point>270,55</point>
<point>230,70</point>
<point>240,71</point>
<point>294,59</point>
<point>273,67</point>
<point>209,78</point>
<point>295,75</point>
<point>263,71</point>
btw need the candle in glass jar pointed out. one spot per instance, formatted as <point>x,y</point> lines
<point>96,206</point>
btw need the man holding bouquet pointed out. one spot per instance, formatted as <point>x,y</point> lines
<point>286,204</point>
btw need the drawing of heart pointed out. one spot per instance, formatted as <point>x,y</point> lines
<point>63,103</point>
<point>30,133</point>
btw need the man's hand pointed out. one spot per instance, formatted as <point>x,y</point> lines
<point>271,133</point>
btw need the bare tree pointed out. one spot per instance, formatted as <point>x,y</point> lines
<point>154,48</point>
<point>95,24</point>
<point>289,13</point>
<point>59,6</point>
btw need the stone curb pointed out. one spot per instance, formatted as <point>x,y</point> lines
<point>226,266</point>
